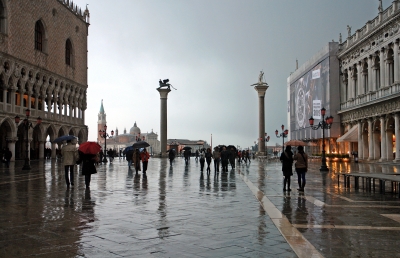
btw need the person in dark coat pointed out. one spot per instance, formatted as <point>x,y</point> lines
<point>208,160</point>
<point>101,153</point>
<point>129,154</point>
<point>224,159</point>
<point>171,156</point>
<point>187,154</point>
<point>202,160</point>
<point>88,166</point>
<point>232,157</point>
<point>287,163</point>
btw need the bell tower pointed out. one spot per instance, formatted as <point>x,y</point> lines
<point>101,122</point>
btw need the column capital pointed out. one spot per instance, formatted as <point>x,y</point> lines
<point>163,93</point>
<point>261,89</point>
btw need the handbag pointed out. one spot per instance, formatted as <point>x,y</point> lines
<point>305,161</point>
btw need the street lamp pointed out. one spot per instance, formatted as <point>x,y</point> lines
<point>104,134</point>
<point>323,124</point>
<point>283,134</point>
<point>27,125</point>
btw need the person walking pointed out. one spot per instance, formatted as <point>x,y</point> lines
<point>110,154</point>
<point>216,157</point>
<point>287,163</point>
<point>301,167</point>
<point>224,159</point>
<point>101,154</point>
<point>202,160</point>
<point>187,153</point>
<point>88,166</point>
<point>136,160</point>
<point>129,154</point>
<point>69,157</point>
<point>7,156</point>
<point>208,156</point>
<point>232,157</point>
<point>171,156</point>
<point>197,155</point>
<point>144,156</point>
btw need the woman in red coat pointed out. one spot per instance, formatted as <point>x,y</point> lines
<point>144,156</point>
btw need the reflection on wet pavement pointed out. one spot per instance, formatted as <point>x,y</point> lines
<point>175,212</point>
<point>179,212</point>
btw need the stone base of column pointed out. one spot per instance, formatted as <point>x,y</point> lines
<point>396,160</point>
<point>260,153</point>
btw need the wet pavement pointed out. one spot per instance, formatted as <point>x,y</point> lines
<point>178,212</point>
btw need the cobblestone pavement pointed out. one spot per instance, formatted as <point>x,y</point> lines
<point>177,212</point>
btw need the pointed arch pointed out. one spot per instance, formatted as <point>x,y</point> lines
<point>69,53</point>
<point>40,37</point>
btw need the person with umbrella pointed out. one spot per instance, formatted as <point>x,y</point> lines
<point>224,159</point>
<point>69,157</point>
<point>287,163</point>
<point>136,160</point>
<point>216,156</point>
<point>128,152</point>
<point>88,156</point>
<point>144,156</point>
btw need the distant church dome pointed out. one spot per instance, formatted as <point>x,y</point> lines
<point>135,130</point>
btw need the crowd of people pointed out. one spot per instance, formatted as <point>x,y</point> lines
<point>222,157</point>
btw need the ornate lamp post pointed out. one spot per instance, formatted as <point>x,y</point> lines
<point>283,134</point>
<point>325,123</point>
<point>104,134</point>
<point>27,125</point>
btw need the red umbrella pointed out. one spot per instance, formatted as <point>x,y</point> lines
<point>90,147</point>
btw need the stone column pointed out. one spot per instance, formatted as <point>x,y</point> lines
<point>397,135</point>
<point>396,62</point>
<point>261,89</point>
<point>53,150</point>
<point>360,140</point>
<point>359,80</point>
<point>11,147</point>
<point>383,140</point>
<point>41,149</point>
<point>163,119</point>
<point>370,140</point>
<point>370,74</point>
<point>382,67</point>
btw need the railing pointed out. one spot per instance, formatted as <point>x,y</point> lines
<point>372,24</point>
<point>45,115</point>
<point>370,96</point>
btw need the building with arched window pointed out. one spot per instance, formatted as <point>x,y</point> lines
<point>43,68</point>
<point>366,92</point>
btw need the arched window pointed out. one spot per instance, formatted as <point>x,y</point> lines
<point>39,36</point>
<point>68,52</point>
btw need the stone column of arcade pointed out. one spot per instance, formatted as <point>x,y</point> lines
<point>261,87</point>
<point>163,119</point>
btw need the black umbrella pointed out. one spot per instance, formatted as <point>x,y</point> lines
<point>230,147</point>
<point>141,144</point>
<point>187,148</point>
<point>64,138</point>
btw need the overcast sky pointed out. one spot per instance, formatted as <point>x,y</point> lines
<point>212,51</point>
